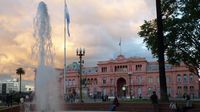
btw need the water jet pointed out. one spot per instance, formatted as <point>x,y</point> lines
<point>46,80</point>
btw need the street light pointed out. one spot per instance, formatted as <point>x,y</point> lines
<point>124,90</point>
<point>129,74</point>
<point>80,52</point>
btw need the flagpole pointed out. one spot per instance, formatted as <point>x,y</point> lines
<point>120,46</point>
<point>64,50</point>
<point>120,50</point>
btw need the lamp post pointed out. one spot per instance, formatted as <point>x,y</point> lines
<point>129,74</point>
<point>80,52</point>
<point>124,90</point>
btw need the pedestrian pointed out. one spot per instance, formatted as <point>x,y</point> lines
<point>173,106</point>
<point>115,104</point>
<point>154,100</point>
<point>26,104</point>
<point>22,104</point>
<point>188,103</point>
<point>11,98</point>
<point>106,98</point>
<point>140,96</point>
<point>184,96</point>
<point>95,96</point>
<point>8,100</point>
<point>102,97</point>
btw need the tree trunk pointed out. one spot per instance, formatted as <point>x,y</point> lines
<point>20,79</point>
<point>161,59</point>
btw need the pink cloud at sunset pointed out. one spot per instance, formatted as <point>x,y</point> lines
<point>96,25</point>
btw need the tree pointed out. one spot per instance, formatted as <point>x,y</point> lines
<point>181,24</point>
<point>20,72</point>
<point>161,58</point>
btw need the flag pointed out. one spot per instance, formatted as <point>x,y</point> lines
<point>67,18</point>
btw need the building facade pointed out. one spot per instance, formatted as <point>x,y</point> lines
<point>131,77</point>
<point>9,86</point>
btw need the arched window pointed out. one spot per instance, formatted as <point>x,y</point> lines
<point>88,81</point>
<point>185,78</point>
<point>178,78</point>
<point>179,88</point>
<point>111,81</point>
<point>149,79</point>
<point>185,89</point>
<point>69,82</point>
<point>191,77</point>
<point>158,80</point>
<point>104,80</point>
<point>149,90</point>
<point>139,80</point>
<point>73,82</point>
<point>95,80</point>
<point>169,91</point>
<point>139,91</point>
<point>191,89</point>
<point>132,81</point>
<point>104,91</point>
<point>92,82</point>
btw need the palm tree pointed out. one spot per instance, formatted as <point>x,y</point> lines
<point>20,72</point>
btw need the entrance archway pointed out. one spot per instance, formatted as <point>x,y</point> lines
<point>121,82</point>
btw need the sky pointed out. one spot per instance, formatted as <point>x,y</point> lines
<point>96,25</point>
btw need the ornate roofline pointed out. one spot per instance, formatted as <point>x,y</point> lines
<point>122,59</point>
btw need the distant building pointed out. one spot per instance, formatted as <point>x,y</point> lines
<point>9,86</point>
<point>133,76</point>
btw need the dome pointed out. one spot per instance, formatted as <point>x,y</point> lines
<point>73,67</point>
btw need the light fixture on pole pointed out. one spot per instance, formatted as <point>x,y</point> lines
<point>130,74</point>
<point>80,52</point>
<point>124,90</point>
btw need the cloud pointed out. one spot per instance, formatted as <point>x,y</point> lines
<point>96,25</point>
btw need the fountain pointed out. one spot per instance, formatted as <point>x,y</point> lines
<point>46,81</point>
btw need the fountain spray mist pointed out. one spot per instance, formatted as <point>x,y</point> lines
<point>47,93</point>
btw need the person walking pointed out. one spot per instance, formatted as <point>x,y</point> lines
<point>115,104</point>
<point>188,104</point>
<point>173,106</point>
<point>22,104</point>
<point>154,100</point>
<point>8,100</point>
<point>94,97</point>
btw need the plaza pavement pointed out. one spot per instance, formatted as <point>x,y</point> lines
<point>90,106</point>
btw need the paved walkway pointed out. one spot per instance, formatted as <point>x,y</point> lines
<point>90,105</point>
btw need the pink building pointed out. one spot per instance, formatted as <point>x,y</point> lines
<point>133,76</point>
